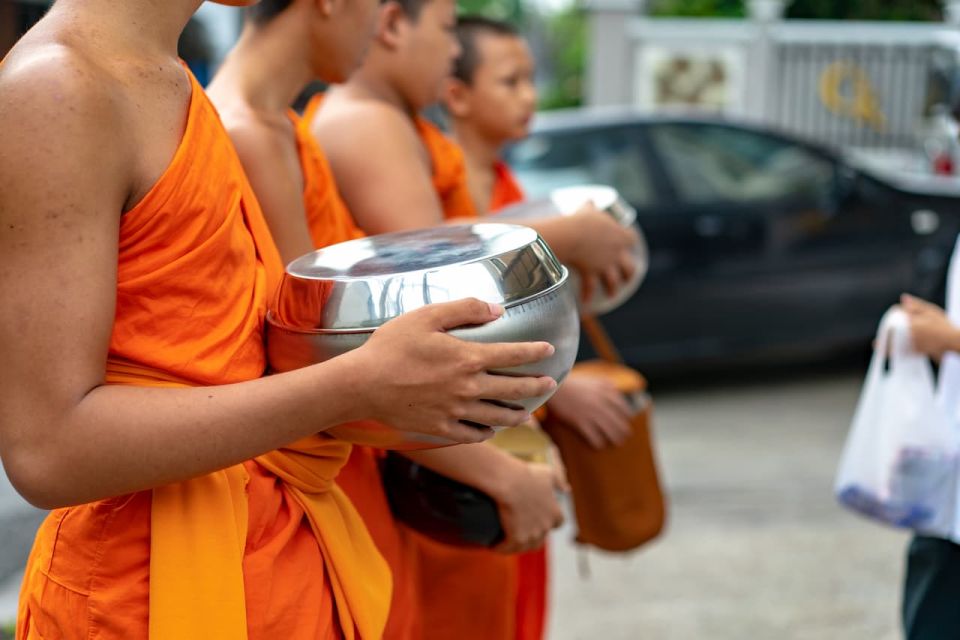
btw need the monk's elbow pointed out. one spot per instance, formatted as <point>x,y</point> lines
<point>30,475</point>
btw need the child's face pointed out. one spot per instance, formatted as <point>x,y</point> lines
<point>429,50</point>
<point>502,97</point>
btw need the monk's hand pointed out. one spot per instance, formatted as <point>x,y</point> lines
<point>419,378</point>
<point>594,408</point>
<point>605,251</point>
<point>528,505</point>
<point>931,331</point>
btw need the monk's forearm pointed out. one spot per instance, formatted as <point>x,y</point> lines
<point>561,233</point>
<point>481,466</point>
<point>119,439</point>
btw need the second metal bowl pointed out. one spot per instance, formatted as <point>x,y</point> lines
<point>569,200</point>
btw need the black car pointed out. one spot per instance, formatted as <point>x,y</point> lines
<point>760,244</point>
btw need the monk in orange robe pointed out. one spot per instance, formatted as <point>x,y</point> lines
<point>191,496</point>
<point>490,100</point>
<point>417,178</point>
<point>292,177</point>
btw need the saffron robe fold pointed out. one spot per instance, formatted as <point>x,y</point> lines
<point>485,594</point>
<point>330,222</point>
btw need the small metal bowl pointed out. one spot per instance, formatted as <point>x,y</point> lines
<point>331,301</point>
<point>569,200</point>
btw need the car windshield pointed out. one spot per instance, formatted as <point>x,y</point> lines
<point>547,161</point>
<point>710,163</point>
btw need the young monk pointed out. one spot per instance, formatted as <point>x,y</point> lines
<point>191,497</point>
<point>410,59</point>
<point>416,178</point>
<point>286,44</point>
<point>490,100</point>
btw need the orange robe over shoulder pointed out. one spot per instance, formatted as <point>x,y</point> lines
<point>449,171</point>
<point>267,549</point>
<point>330,222</point>
<point>475,594</point>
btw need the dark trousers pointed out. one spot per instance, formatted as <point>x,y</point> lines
<point>931,591</point>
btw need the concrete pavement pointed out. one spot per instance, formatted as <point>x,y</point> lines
<point>756,547</point>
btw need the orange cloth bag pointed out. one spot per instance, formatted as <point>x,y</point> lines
<point>617,497</point>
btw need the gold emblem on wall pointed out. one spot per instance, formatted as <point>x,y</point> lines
<point>846,90</point>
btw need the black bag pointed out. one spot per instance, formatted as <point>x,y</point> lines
<point>440,508</point>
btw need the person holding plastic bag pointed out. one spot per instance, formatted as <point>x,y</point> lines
<point>931,594</point>
<point>899,465</point>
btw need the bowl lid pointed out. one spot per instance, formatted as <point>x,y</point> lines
<point>359,285</point>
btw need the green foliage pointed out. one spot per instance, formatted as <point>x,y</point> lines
<point>808,9</point>
<point>698,8</point>
<point>567,43</point>
<point>511,10</point>
<point>7,631</point>
<point>866,9</point>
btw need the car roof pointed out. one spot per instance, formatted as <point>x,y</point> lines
<point>612,116</point>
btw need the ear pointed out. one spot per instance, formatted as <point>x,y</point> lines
<point>327,8</point>
<point>391,25</point>
<point>456,97</point>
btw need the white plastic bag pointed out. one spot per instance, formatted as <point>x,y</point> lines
<point>899,463</point>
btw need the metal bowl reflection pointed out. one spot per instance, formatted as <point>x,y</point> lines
<point>329,305</point>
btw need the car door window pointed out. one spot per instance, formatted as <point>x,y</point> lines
<point>710,164</point>
<point>546,161</point>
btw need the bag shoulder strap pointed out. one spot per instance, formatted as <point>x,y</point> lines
<point>600,340</point>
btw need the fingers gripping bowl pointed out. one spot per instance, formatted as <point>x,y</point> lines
<point>331,301</point>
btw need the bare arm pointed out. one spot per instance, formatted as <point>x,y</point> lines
<point>592,242</point>
<point>381,168</point>
<point>65,437</point>
<point>525,493</point>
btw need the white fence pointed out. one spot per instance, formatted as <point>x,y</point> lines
<point>864,84</point>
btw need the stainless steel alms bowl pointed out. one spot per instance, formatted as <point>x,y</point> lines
<point>567,201</point>
<point>331,301</point>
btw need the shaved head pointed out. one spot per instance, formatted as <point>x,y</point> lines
<point>410,7</point>
<point>469,29</point>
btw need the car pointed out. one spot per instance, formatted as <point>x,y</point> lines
<point>761,244</point>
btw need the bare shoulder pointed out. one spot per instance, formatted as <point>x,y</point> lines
<point>60,108</point>
<point>347,118</point>
<point>54,86</point>
<point>260,139</point>
<point>350,128</point>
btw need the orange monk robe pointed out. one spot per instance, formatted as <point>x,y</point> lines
<point>532,568</point>
<point>262,550</point>
<point>330,222</point>
<point>506,189</point>
<point>449,171</point>
<point>473,593</point>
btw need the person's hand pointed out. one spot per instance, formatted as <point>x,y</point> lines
<point>594,408</point>
<point>528,505</point>
<point>930,329</point>
<point>604,251</point>
<point>418,378</point>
